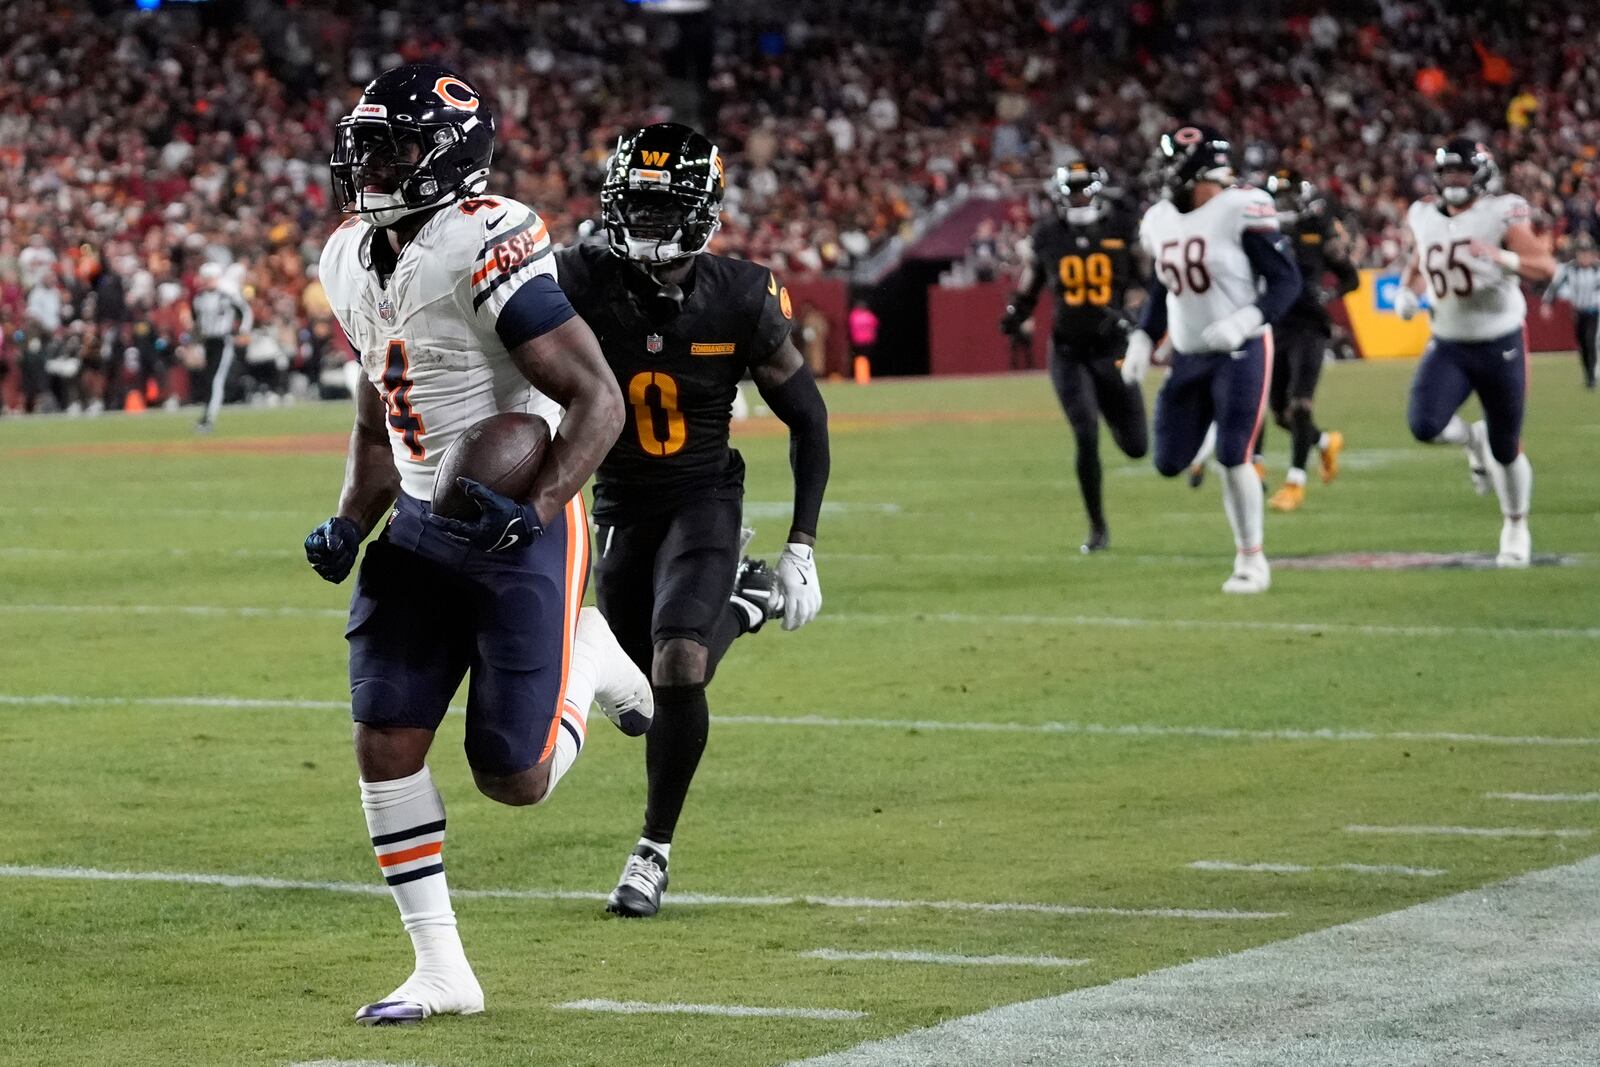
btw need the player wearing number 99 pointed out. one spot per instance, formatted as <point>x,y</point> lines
<point>1086,252</point>
<point>680,327</point>
<point>1472,250</point>
<point>1214,243</point>
<point>447,296</point>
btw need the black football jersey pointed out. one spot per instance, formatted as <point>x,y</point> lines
<point>1310,234</point>
<point>1090,270</point>
<point>678,376</point>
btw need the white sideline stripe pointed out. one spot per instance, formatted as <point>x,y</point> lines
<point>1551,798</point>
<point>1076,729</point>
<point>737,1011</point>
<point>1118,622</point>
<point>1470,831</point>
<point>1296,868</point>
<point>1587,633</point>
<point>248,881</point>
<point>1499,974</point>
<point>840,955</point>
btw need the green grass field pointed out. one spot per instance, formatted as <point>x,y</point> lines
<point>171,678</point>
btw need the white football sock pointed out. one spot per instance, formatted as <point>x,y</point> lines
<point>664,850</point>
<point>1296,476</point>
<point>1513,484</point>
<point>1241,499</point>
<point>405,818</point>
<point>1322,441</point>
<point>1454,433</point>
<point>569,743</point>
<point>1207,447</point>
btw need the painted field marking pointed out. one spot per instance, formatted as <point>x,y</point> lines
<point>948,958</point>
<point>1470,831</point>
<point>1547,798</point>
<point>246,881</point>
<point>33,552</point>
<point>353,1063</point>
<point>1069,729</point>
<point>1115,622</point>
<point>1296,868</point>
<point>735,1011</point>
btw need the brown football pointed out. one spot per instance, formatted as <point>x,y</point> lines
<point>504,452</point>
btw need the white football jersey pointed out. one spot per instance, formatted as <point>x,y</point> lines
<point>427,339</point>
<point>1199,256</point>
<point>1473,299</point>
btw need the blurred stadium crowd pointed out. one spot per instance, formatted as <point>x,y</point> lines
<point>137,147</point>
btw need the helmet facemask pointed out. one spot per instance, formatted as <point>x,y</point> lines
<point>386,170</point>
<point>657,226</point>
<point>1077,195</point>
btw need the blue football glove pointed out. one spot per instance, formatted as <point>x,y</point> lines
<point>502,523</point>
<point>331,548</point>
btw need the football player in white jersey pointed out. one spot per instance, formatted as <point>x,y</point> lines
<point>1222,274</point>
<point>449,297</point>
<point>1472,248</point>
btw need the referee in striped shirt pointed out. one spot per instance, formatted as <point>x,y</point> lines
<point>1579,283</point>
<point>219,317</point>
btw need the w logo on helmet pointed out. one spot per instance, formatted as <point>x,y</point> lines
<point>655,159</point>
<point>456,93</point>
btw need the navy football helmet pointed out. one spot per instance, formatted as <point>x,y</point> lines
<point>661,199</point>
<point>1463,155</point>
<point>419,137</point>
<point>1193,154</point>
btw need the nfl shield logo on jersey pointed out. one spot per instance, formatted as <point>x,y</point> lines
<point>652,343</point>
<point>386,310</point>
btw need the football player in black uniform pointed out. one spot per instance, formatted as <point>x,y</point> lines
<point>680,327</point>
<point>1087,252</point>
<point>1301,336</point>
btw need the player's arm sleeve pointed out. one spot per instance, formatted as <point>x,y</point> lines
<point>1274,264</point>
<point>247,319</point>
<point>514,286</point>
<point>774,321</point>
<point>789,390</point>
<point>1153,315</point>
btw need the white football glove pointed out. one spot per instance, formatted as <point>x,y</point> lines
<point>1136,358</point>
<point>802,593</point>
<point>1229,333</point>
<point>1407,303</point>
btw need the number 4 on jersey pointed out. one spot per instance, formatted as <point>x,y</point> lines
<point>403,419</point>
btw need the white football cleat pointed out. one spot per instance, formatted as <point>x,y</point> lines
<point>437,991</point>
<point>1516,544</point>
<point>1478,457</point>
<point>1251,574</point>
<point>621,689</point>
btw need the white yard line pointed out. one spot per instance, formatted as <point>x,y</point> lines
<point>1547,798</point>
<point>1072,729</point>
<point>30,552</point>
<point>246,881</point>
<point>353,1063</point>
<point>1503,974</point>
<point>1296,868</point>
<point>946,958</point>
<point>1114,622</point>
<point>734,1011</point>
<point>1469,831</point>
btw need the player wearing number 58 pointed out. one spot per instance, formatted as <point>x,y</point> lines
<point>680,327</point>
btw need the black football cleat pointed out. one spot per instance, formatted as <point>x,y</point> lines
<point>638,891</point>
<point>1197,476</point>
<point>756,593</point>
<point>1099,540</point>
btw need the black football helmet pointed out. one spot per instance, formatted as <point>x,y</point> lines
<point>661,199</point>
<point>1292,192</point>
<point>1076,191</point>
<point>1463,155</point>
<point>1193,154</point>
<point>418,138</point>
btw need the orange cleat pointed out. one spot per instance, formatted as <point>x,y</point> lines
<point>1330,456</point>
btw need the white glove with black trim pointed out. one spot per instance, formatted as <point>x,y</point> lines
<point>1136,357</point>
<point>1407,303</point>
<point>1229,333</point>
<point>802,593</point>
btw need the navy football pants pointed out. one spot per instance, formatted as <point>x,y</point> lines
<point>1212,387</point>
<point>1451,371</point>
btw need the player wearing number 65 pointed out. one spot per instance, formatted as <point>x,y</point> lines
<point>448,297</point>
<point>1222,273</point>
<point>1473,247</point>
<point>680,327</point>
